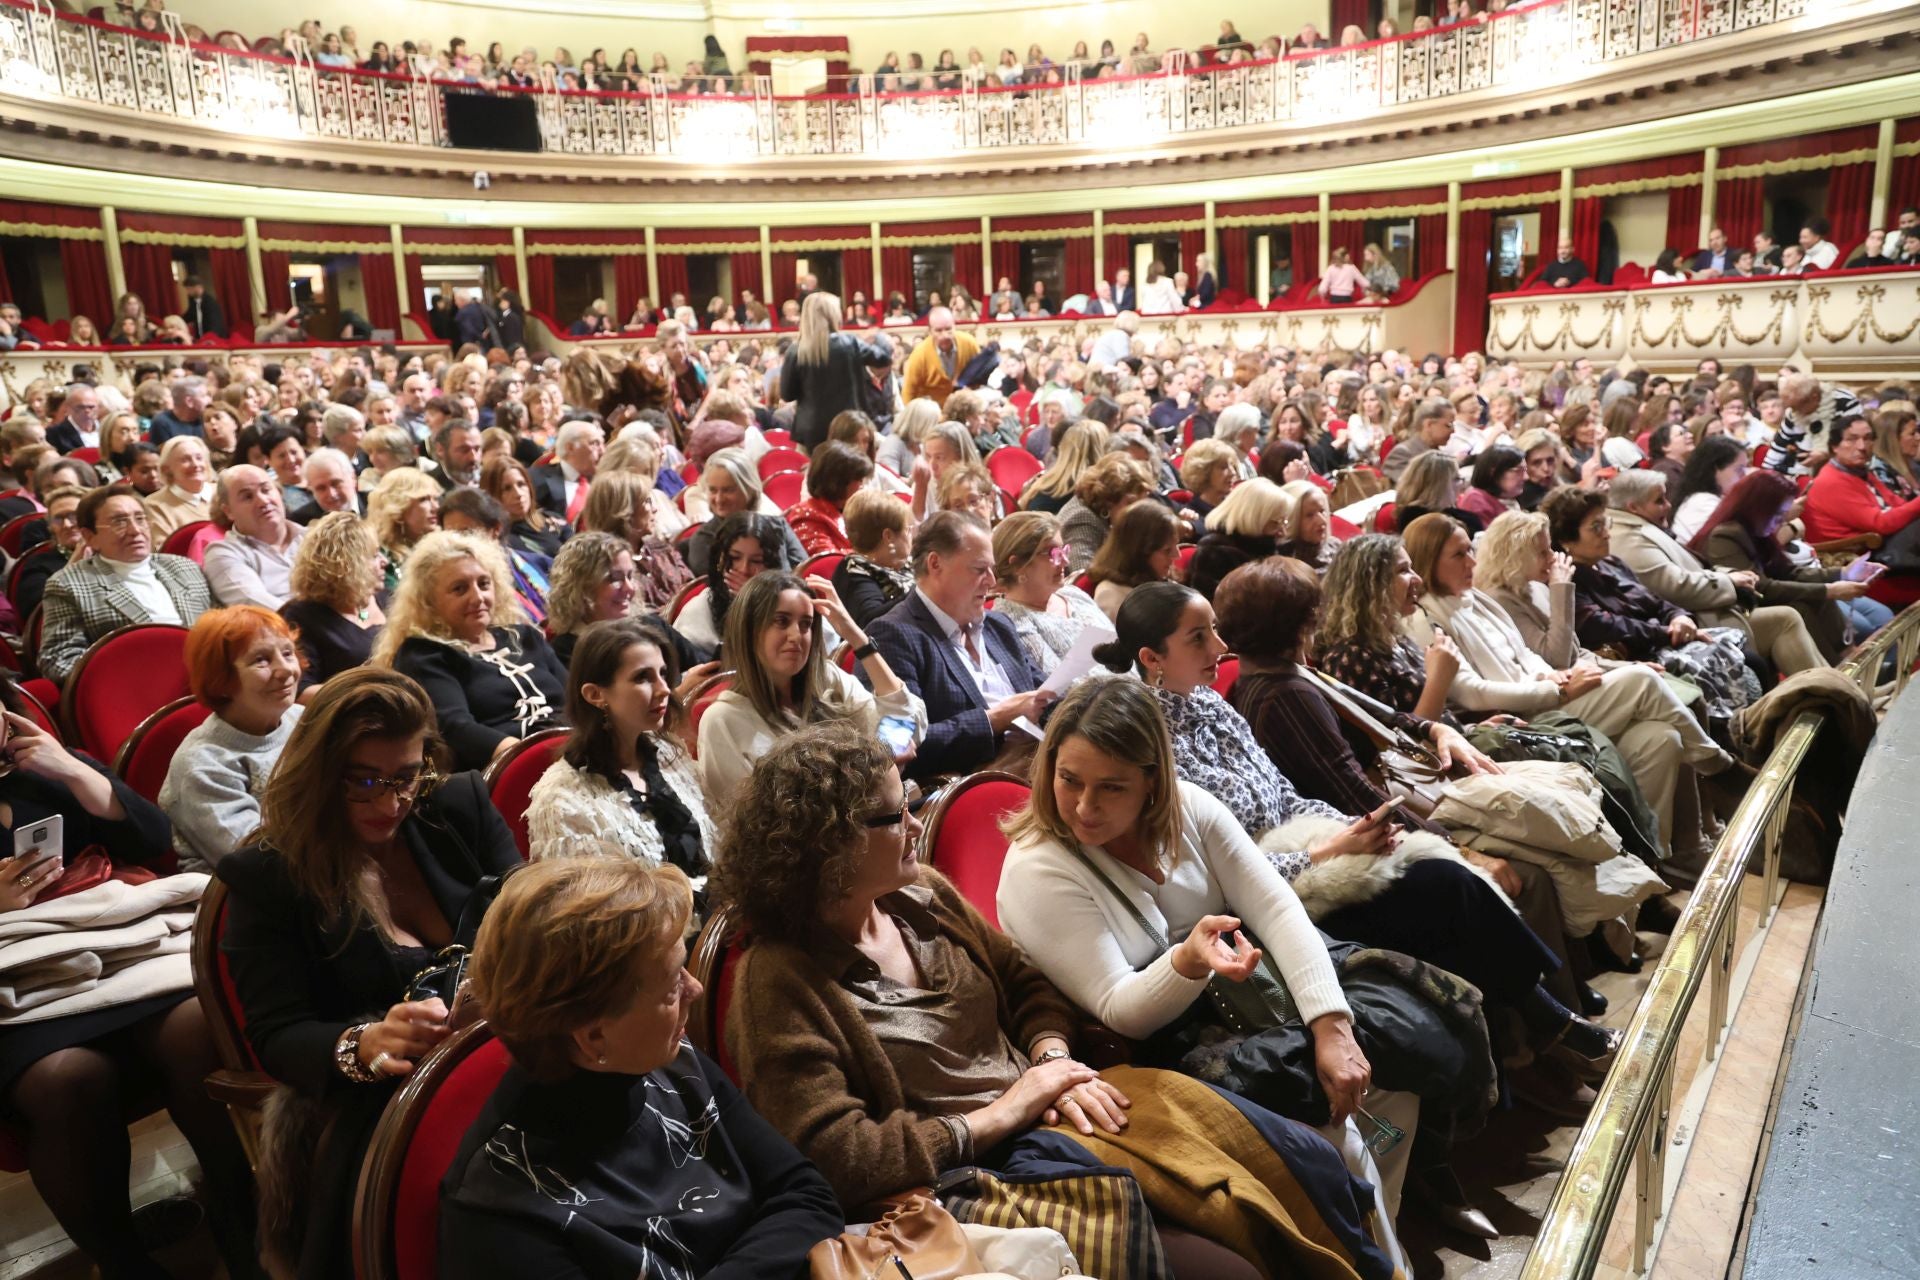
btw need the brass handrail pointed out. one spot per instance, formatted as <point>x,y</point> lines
<point>1629,1116</point>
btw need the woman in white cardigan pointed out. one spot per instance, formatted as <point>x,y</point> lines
<point>782,680</point>
<point>1631,704</point>
<point>1129,888</point>
<point>623,781</point>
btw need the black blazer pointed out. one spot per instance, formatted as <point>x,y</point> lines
<point>203,316</point>
<point>822,391</point>
<point>959,738</point>
<point>64,436</point>
<point>476,704</point>
<point>550,489</point>
<point>303,980</point>
<point>1125,298</point>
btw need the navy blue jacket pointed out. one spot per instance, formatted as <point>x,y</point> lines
<point>959,739</point>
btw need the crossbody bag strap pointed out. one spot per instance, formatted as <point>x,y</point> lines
<point>1158,938</point>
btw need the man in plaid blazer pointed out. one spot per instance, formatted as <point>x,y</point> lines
<point>121,583</point>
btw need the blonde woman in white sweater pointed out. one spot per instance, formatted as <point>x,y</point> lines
<point>1499,673</point>
<point>782,680</point>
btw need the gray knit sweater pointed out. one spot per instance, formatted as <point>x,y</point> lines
<point>213,786</point>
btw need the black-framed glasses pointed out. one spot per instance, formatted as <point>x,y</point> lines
<point>888,819</point>
<point>406,787</point>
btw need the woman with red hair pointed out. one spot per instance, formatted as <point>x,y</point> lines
<point>1740,535</point>
<point>243,665</point>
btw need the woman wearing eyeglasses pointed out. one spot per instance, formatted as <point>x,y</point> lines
<point>1030,563</point>
<point>368,864</point>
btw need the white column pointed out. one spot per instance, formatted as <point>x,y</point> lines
<point>1100,245</point>
<point>520,266</point>
<point>1453,226</point>
<point>256,274</point>
<point>399,276</point>
<point>1709,217</point>
<point>879,283</point>
<point>116,269</point>
<point>986,256</point>
<point>653,270</point>
<point>1326,232</point>
<point>1263,267</point>
<point>1877,212</point>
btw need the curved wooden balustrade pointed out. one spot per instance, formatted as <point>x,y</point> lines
<point>1846,324</point>
<point>45,55</point>
<point>1628,1127</point>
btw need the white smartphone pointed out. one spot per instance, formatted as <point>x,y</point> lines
<point>40,840</point>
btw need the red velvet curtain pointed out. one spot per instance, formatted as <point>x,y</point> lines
<point>274,267</point>
<point>506,269</point>
<point>1470,290</point>
<point>968,268</point>
<point>744,264</point>
<point>672,270</point>
<point>84,264</point>
<point>1350,13</point>
<point>1739,207</point>
<point>540,287</point>
<point>416,286</point>
<point>1079,273</point>
<point>1905,192</point>
<point>785,283</point>
<point>232,287</point>
<point>1119,254</point>
<point>1683,219</point>
<point>1849,201</point>
<point>382,294</point>
<point>1192,245</point>
<point>856,272</point>
<point>1429,244</point>
<point>149,271</point>
<point>629,283</point>
<point>1306,252</point>
<point>1234,270</point>
<point>1006,264</point>
<point>896,273</point>
<point>1588,213</point>
<point>1550,231</point>
<point>6,285</point>
<point>1350,235</point>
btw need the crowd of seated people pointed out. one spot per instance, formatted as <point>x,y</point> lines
<point>759,685</point>
<point>1812,250</point>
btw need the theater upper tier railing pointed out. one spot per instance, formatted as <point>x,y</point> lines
<point>47,55</point>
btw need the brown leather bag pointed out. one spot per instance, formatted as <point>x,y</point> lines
<point>917,1230</point>
<point>1403,768</point>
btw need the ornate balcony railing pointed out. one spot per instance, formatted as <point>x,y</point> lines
<point>48,55</point>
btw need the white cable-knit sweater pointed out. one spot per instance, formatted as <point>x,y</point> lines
<point>1093,949</point>
<point>571,812</point>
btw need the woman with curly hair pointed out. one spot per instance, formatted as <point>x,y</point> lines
<point>403,508</point>
<point>458,629</point>
<point>336,581</point>
<point>892,1034</point>
<point>618,503</point>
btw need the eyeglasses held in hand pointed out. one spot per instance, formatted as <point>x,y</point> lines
<point>406,787</point>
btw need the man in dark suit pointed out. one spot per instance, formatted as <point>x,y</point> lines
<point>77,424</point>
<point>202,312</point>
<point>1565,270</point>
<point>1123,292</point>
<point>473,324</point>
<point>1716,259</point>
<point>330,479</point>
<point>560,487</point>
<point>963,662</point>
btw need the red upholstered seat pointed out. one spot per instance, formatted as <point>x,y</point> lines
<point>192,540</point>
<point>1229,672</point>
<point>822,565</point>
<point>42,695</point>
<point>783,488</point>
<point>1182,558</point>
<point>1343,529</point>
<point>144,757</point>
<point>963,840</point>
<point>697,705</point>
<point>1011,469</point>
<point>775,460</point>
<point>687,593</point>
<point>510,779</point>
<point>397,1209</point>
<point>122,679</point>
<point>15,529</point>
<point>1383,519</point>
<point>19,571</point>
<point>777,438</point>
<point>87,453</point>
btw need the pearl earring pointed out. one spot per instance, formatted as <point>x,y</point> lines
<point>603,1059</point>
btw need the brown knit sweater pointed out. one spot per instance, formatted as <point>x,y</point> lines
<point>809,1064</point>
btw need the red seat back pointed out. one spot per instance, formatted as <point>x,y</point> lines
<point>143,759</point>
<point>1182,558</point>
<point>1011,468</point>
<point>963,840</point>
<point>1383,519</point>
<point>192,540</point>
<point>777,438</point>
<point>87,453</point>
<point>712,961</point>
<point>1228,673</point>
<point>122,679</point>
<point>397,1210</point>
<point>19,571</point>
<point>213,982</point>
<point>42,694</point>
<point>510,779</point>
<point>822,565</point>
<point>775,460</point>
<point>783,488</point>
<point>704,697</point>
<point>15,529</point>
<point>687,593</point>
<point>1343,529</point>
